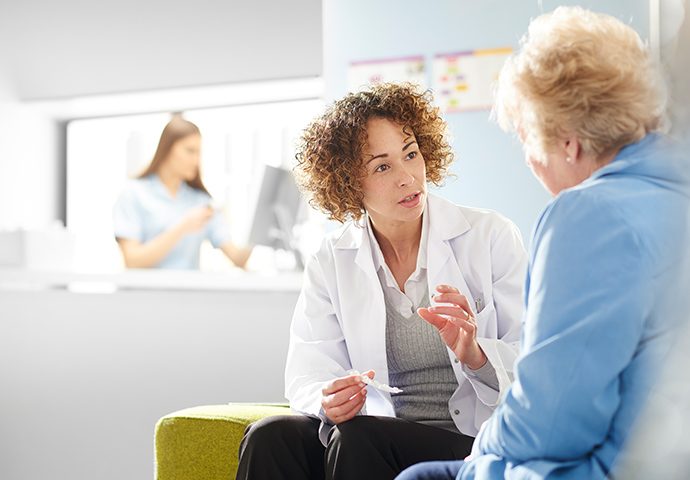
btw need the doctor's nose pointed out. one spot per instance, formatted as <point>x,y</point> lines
<point>405,178</point>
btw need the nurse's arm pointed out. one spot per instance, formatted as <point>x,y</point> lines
<point>237,255</point>
<point>151,253</point>
<point>144,255</point>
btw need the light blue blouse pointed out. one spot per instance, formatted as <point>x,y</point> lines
<point>146,209</point>
<point>602,297</point>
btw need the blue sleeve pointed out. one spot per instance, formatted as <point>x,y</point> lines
<point>127,217</point>
<point>586,303</point>
<point>218,230</point>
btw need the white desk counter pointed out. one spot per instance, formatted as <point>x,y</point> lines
<point>151,279</point>
<point>88,363</point>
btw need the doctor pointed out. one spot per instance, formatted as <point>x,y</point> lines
<point>403,253</point>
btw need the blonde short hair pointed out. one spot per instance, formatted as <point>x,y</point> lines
<point>584,73</point>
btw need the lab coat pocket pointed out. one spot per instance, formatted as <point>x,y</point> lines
<point>500,354</point>
<point>485,319</point>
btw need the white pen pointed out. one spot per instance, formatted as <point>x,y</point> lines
<point>377,385</point>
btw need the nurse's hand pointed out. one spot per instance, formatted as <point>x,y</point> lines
<point>195,219</point>
<point>344,397</point>
<point>455,322</point>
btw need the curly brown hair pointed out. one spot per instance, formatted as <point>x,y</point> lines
<point>330,151</point>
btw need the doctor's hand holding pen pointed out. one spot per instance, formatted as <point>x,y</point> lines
<point>344,397</point>
<point>456,325</point>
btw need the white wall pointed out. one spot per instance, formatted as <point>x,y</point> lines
<point>52,50</point>
<point>675,54</point>
<point>85,377</point>
<point>29,165</point>
<point>72,47</point>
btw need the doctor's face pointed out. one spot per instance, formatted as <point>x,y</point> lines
<point>394,184</point>
<point>185,156</point>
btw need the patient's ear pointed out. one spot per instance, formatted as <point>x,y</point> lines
<point>571,149</point>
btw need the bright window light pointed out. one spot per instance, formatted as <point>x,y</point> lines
<point>257,126</point>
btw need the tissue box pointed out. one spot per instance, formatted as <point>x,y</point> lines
<point>37,249</point>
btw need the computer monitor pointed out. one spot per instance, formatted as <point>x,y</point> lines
<point>277,212</point>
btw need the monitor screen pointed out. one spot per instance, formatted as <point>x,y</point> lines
<point>277,210</point>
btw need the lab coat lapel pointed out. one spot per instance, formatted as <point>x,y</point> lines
<point>446,223</point>
<point>363,304</point>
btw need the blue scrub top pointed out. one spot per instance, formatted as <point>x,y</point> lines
<point>146,209</point>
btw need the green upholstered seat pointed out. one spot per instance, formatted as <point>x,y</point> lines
<point>202,443</point>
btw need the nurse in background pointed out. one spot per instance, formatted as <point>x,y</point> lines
<point>163,216</point>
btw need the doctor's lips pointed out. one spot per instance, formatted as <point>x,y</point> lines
<point>411,200</point>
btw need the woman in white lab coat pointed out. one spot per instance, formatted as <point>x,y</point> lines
<point>366,313</point>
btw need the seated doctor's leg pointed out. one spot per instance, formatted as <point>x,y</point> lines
<point>381,447</point>
<point>285,446</point>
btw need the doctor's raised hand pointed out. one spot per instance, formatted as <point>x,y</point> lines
<point>456,324</point>
<point>367,162</point>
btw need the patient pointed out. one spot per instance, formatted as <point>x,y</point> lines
<point>367,162</point>
<point>586,102</point>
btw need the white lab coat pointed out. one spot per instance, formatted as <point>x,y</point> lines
<point>340,317</point>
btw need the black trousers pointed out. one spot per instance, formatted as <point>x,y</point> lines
<point>288,447</point>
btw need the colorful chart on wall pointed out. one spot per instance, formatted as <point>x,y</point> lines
<point>464,81</point>
<point>370,72</point>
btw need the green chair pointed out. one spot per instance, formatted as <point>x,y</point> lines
<point>202,443</point>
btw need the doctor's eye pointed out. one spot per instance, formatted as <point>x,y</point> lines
<point>382,168</point>
<point>411,155</point>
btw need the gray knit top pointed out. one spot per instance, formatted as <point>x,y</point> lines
<point>418,363</point>
<point>418,360</point>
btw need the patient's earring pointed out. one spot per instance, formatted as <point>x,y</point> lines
<point>569,159</point>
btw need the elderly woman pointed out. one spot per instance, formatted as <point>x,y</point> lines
<point>367,162</point>
<point>585,100</point>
